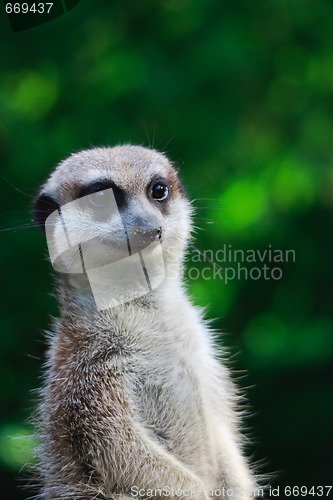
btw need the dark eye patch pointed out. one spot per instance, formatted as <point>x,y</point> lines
<point>44,206</point>
<point>97,186</point>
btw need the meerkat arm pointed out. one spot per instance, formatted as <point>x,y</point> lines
<point>104,432</point>
<point>235,476</point>
<point>137,460</point>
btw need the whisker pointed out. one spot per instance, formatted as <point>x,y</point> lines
<point>147,134</point>
<point>154,133</point>
<point>19,227</point>
<point>168,142</point>
<point>18,189</point>
<point>205,258</point>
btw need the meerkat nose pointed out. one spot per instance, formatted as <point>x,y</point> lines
<point>142,232</point>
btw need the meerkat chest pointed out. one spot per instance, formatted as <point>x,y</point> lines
<point>169,395</point>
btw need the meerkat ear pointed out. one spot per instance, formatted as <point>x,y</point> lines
<point>44,205</point>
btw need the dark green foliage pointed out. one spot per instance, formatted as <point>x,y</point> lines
<point>240,95</point>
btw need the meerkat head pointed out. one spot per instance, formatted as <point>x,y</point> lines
<point>115,206</point>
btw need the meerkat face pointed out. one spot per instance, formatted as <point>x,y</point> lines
<point>103,205</point>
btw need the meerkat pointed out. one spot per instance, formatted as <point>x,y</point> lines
<point>135,402</point>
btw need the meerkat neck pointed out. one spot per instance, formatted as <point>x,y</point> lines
<point>76,299</point>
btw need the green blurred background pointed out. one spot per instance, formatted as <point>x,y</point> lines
<point>240,95</point>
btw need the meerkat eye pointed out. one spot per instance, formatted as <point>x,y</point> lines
<point>96,197</point>
<point>160,190</point>
<point>99,195</point>
<point>100,198</point>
